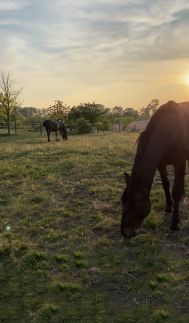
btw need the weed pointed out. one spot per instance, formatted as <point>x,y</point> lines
<point>162,278</point>
<point>80,263</point>
<point>160,316</point>
<point>34,257</point>
<point>67,288</point>
<point>61,258</point>
<point>78,255</point>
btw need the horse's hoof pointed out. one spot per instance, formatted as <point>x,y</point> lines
<point>126,239</point>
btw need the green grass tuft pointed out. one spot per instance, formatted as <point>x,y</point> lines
<point>160,316</point>
<point>46,313</point>
<point>80,263</point>
<point>34,257</point>
<point>67,288</point>
<point>61,258</point>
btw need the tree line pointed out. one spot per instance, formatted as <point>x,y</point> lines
<point>82,117</point>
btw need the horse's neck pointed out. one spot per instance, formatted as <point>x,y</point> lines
<point>148,158</point>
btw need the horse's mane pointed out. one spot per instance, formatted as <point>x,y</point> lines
<point>161,113</point>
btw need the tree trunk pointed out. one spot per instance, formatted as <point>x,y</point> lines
<point>8,124</point>
<point>15,126</point>
<point>41,128</point>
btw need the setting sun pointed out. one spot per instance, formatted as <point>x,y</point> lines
<point>187,79</point>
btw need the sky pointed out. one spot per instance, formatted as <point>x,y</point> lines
<point>117,53</point>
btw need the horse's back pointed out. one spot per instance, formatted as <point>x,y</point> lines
<point>184,105</point>
<point>171,116</point>
<point>169,126</point>
<point>47,123</point>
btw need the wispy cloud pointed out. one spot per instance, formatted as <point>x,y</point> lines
<point>11,5</point>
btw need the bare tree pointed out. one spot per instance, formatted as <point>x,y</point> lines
<point>8,98</point>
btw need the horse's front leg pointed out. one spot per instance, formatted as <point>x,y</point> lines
<point>61,133</point>
<point>56,135</point>
<point>48,135</point>
<point>166,186</point>
<point>178,192</point>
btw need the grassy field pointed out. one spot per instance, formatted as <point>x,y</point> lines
<point>62,258</point>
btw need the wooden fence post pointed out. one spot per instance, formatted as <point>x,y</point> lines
<point>15,127</point>
<point>41,128</point>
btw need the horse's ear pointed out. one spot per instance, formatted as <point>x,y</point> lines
<point>127,178</point>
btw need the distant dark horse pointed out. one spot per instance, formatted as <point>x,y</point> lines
<point>164,141</point>
<point>55,126</point>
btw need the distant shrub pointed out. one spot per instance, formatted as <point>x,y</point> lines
<point>83,126</point>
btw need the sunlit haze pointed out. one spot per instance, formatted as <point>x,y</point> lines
<point>121,52</point>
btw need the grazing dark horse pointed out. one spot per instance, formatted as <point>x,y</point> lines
<point>164,141</point>
<point>55,126</point>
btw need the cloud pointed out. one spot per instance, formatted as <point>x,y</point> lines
<point>123,29</point>
<point>12,5</point>
<point>91,42</point>
<point>133,29</point>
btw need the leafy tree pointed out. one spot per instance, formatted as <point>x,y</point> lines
<point>27,112</point>
<point>131,113</point>
<point>123,116</point>
<point>89,111</point>
<point>153,105</point>
<point>117,111</point>
<point>8,99</point>
<point>58,110</point>
<point>105,123</point>
<point>116,114</point>
<point>83,126</point>
<point>30,114</point>
<point>146,113</point>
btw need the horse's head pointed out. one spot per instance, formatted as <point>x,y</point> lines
<point>62,129</point>
<point>135,207</point>
<point>64,132</point>
<point>65,136</point>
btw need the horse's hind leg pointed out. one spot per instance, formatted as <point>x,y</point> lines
<point>166,186</point>
<point>56,136</point>
<point>178,192</point>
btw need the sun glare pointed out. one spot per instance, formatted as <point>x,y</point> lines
<point>187,79</point>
